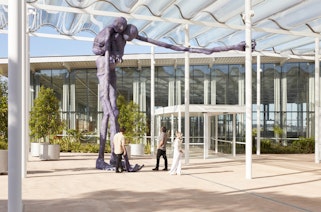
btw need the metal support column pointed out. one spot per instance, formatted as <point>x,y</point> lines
<point>187,128</point>
<point>206,127</point>
<point>248,85</point>
<point>317,102</point>
<point>258,104</point>
<point>16,58</point>
<point>234,136</point>
<point>152,100</point>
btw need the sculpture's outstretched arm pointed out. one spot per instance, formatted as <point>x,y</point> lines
<point>162,44</point>
<point>238,47</point>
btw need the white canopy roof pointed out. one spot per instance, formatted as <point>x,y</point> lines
<point>286,27</point>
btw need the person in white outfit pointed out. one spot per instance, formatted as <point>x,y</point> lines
<point>177,155</point>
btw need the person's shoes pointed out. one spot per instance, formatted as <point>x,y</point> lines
<point>155,169</point>
<point>165,169</point>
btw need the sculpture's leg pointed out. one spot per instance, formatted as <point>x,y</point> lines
<point>100,162</point>
<point>103,96</point>
<point>114,126</point>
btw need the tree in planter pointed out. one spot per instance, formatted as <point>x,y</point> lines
<point>132,119</point>
<point>3,114</point>
<point>45,116</point>
<point>278,131</point>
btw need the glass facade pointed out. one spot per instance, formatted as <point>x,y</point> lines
<point>287,96</point>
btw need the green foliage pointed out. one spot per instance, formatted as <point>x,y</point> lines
<point>44,116</point>
<point>278,130</point>
<point>303,145</point>
<point>69,145</point>
<point>3,144</point>
<point>132,119</point>
<point>3,112</point>
<point>147,148</point>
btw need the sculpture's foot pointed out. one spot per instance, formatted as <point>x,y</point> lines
<point>101,164</point>
<point>136,168</point>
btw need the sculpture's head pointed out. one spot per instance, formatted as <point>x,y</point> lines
<point>120,24</point>
<point>130,32</point>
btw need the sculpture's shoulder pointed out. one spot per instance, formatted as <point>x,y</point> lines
<point>100,40</point>
<point>106,32</point>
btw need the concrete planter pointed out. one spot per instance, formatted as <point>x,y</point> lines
<point>3,161</point>
<point>34,149</point>
<point>137,149</point>
<point>49,151</point>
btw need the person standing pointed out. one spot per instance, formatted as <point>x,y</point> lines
<point>119,148</point>
<point>161,149</point>
<point>177,155</point>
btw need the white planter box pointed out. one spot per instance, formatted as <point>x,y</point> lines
<point>137,149</point>
<point>49,151</point>
<point>34,149</point>
<point>3,161</point>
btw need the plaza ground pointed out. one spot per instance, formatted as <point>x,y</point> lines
<point>279,183</point>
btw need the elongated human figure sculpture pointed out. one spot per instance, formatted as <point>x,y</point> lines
<point>109,45</point>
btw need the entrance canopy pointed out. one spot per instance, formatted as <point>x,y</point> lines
<point>286,27</point>
<point>196,110</point>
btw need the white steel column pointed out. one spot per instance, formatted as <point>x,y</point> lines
<point>284,107</point>
<point>178,99</point>
<point>311,118</point>
<point>171,94</point>
<point>248,85</point>
<point>206,90</point>
<point>16,59</point>
<point>258,104</point>
<point>142,101</point>
<point>136,91</point>
<point>25,91</point>
<point>216,134</point>
<point>277,100</point>
<point>213,92</point>
<point>187,123</point>
<point>317,102</point>
<point>172,128</point>
<point>234,136</point>
<point>179,120</point>
<point>206,141</point>
<point>73,105</point>
<point>241,102</point>
<point>152,100</point>
<point>65,98</point>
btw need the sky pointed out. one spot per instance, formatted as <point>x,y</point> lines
<point>40,47</point>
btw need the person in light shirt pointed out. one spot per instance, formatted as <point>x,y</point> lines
<point>119,149</point>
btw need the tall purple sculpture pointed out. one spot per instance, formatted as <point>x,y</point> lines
<point>109,44</point>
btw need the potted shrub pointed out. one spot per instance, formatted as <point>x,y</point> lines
<point>3,126</point>
<point>45,123</point>
<point>135,124</point>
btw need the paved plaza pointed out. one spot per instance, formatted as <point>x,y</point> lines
<point>279,183</point>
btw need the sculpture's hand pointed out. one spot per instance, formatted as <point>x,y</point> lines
<point>119,59</point>
<point>253,45</point>
<point>112,59</point>
<point>242,45</point>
